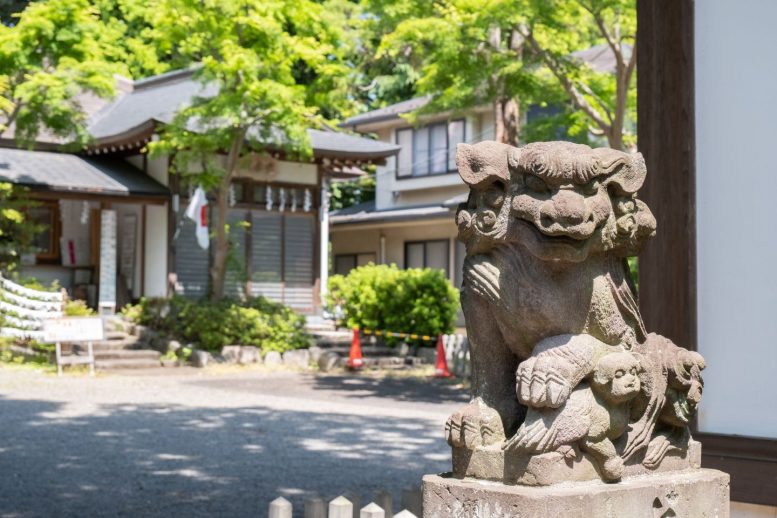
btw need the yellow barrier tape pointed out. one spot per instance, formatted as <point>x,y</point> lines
<point>392,334</point>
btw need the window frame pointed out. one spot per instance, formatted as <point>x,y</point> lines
<point>53,254</point>
<point>425,243</point>
<point>428,128</point>
<point>355,256</point>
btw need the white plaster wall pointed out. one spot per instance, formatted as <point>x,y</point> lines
<point>736,177</point>
<point>365,240</point>
<point>155,282</point>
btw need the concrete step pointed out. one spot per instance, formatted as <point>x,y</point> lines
<point>331,338</point>
<point>142,363</point>
<point>115,335</point>
<point>112,345</point>
<point>127,354</point>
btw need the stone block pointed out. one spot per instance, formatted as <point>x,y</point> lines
<point>173,346</point>
<point>493,463</point>
<point>230,353</point>
<point>273,359</point>
<point>297,359</point>
<point>249,354</point>
<point>328,361</point>
<point>200,359</point>
<point>315,353</point>
<point>693,493</point>
<point>427,354</point>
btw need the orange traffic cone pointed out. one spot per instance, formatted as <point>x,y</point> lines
<point>355,356</point>
<point>441,370</point>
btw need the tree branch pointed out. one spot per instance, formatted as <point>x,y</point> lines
<point>577,98</point>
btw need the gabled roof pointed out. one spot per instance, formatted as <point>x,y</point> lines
<point>61,172</point>
<point>388,112</point>
<point>155,100</point>
<point>366,213</point>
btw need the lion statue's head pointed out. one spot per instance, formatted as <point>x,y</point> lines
<point>562,201</point>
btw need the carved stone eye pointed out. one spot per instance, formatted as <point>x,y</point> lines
<point>535,184</point>
<point>620,373</point>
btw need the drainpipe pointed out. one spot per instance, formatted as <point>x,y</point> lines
<point>324,241</point>
<point>382,249</point>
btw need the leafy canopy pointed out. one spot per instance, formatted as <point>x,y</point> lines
<point>55,53</point>
<point>270,71</point>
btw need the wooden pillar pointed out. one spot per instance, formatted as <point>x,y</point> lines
<point>665,129</point>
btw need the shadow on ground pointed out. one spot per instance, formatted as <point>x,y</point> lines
<point>152,460</point>
<point>368,389</point>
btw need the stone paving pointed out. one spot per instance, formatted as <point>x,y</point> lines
<point>209,443</point>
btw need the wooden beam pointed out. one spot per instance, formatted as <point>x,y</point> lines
<point>667,266</point>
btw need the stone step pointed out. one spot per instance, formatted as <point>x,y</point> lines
<point>115,335</point>
<point>130,354</point>
<point>112,345</point>
<point>142,363</point>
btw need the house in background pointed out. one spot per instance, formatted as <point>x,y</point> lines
<point>410,222</point>
<point>114,221</point>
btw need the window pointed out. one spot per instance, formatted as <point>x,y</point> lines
<point>427,254</point>
<point>344,263</point>
<point>429,150</point>
<point>46,242</point>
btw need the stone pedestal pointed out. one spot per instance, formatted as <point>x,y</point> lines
<point>696,493</point>
<point>492,463</point>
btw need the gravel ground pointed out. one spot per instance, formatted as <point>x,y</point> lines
<point>212,443</point>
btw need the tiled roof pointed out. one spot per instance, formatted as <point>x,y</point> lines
<point>387,113</point>
<point>158,98</point>
<point>151,99</point>
<point>63,172</point>
<point>366,213</point>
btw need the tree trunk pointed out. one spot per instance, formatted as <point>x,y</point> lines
<point>507,118</point>
<point>221,245</point>
<point>218,269</point>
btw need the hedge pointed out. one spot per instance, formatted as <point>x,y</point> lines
<point>212,325</point>
<point>421,301</point>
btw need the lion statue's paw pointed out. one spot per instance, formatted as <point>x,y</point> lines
<point>475,425</point>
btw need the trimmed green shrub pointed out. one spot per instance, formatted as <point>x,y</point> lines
<point>212,325</point>
<point>421,301</point>
<point>77,308</point>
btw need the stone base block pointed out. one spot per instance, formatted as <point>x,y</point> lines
<point>492,463</point>
<point>702,493</point>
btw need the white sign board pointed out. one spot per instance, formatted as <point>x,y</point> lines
<point>73,329</point>
<point>108,257</point>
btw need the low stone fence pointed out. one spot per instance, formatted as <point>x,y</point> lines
<point>342,507</point>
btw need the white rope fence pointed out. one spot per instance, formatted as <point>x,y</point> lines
<point>23,310</point>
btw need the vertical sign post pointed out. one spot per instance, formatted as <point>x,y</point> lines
<point>107,299</point>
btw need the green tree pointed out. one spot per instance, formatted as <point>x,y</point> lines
<point>352,192</point>
<point>276,69</point>
<point>54,53</point>
<point>513,53</point>
<point>607,98</point>
<point>16,232</point>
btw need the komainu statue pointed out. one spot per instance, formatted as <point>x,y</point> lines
<point>564,372</point>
